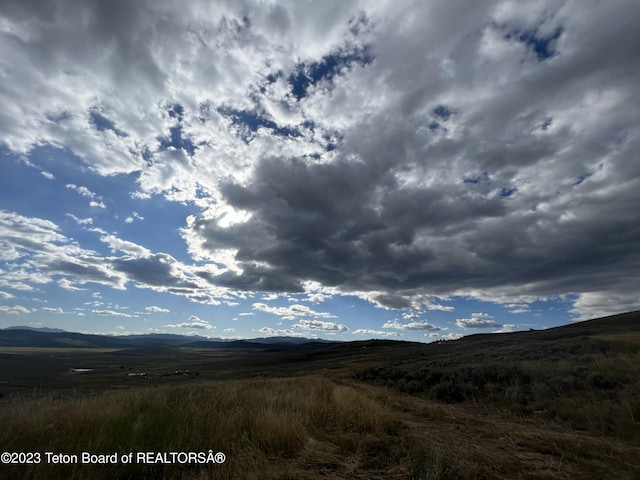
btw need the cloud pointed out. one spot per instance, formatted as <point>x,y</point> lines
<point>272,332</point>
<point>320,325</point>
<point>417,326</point>
<point>69,285</point>
<point>291,312</point>
<point>80,221</point>
<point>442,308</point>
<point>154,309</point>
<point>507,328</point>
<point>84,191</point>
<point>95,202</point>
<point>478,320</point>
<point>38,253</point>
<point>452,336</point>
<point>118,245</point>
<point>52,309</point>
<point>320,144</point>
<point>193,322</point>
<point>5,295</point>
<point>389,226</point>
<point>601,303</point>
<point>132,217</point>
<point>518,308</point>
<point>316,297</point>
<point>112,313</point>
<point>374,333</point>
<point>16,309</point>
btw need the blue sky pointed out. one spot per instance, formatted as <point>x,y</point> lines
<point>342,170</point>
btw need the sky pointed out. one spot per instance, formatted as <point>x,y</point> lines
<point>328,169</point>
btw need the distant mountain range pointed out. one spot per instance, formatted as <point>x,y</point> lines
<point>22,336</point>
<point>36,329</point>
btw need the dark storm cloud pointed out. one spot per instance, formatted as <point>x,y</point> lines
<point>343,224</point>
<point>156,270</point>
<point>348,226</point>
<point>312,215</point>
<point>259,279</point>
<point>516,176</point>
<point>83,270</point>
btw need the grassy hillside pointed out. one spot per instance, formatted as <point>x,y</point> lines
<point>556,404</point>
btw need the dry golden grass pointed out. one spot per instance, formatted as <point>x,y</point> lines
<point>305,427</point>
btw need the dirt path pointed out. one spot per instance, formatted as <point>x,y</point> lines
<point>471,443</point>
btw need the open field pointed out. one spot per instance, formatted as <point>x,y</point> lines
<point>556,404</point>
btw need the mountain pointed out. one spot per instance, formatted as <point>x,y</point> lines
<point>36,329</point>
<point>290,340</point>
<point>51,337</point>
<point>21,336</point>
<point>16,337</point>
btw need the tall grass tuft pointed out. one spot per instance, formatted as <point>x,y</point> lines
<point>265,428</point>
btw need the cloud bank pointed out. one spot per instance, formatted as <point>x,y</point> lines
<point>387,150</point>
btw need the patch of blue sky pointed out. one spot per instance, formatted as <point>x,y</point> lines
<point>176,138</point>
<point>433,126</point>
<point>357,312</point>
<point>156,225</point>
<point>581,179</point>
<point>507,192</point>
<point>443,112</point>
<point>73,305</point>
<point>334,141</point>
<point>159,228</point>
<point>308,74</point>
<point>176,111</point>
<point>47,197</point>
<point>552,312</point>
<point>16,179</point>
<point>101,309</point>
<point>248,122</point>
<point>102,123</point>
<point>542,45</point>
<point>476,179</point>
<point>219,316</point>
